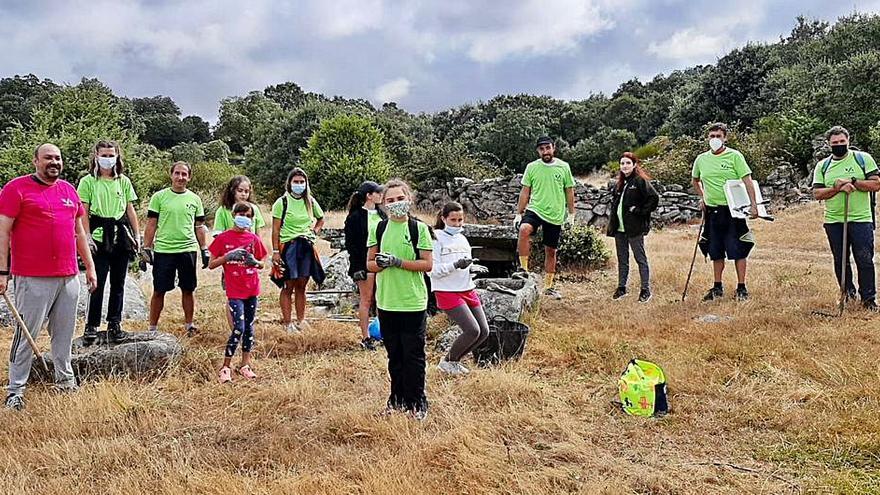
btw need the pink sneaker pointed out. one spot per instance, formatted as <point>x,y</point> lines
<point>225,374</point>
<point>247,372</point>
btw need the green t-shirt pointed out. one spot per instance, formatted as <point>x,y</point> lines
<point>620,211</point>
<point>223,219</point>
<point>859,201</point>
<point>715,170</point>
<point>297,223</point>
<point>106,198</point>
<point>177,213</point>
<point>373,219</point>
<point>548,183</point>
<point>398,289</point>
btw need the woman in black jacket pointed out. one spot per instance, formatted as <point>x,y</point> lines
<point>630,221</point>
<point>363,216</point>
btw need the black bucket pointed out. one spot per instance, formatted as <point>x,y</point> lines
<point>507,340</point>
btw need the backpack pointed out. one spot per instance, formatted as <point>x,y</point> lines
<point>860,159</point>
<point>413,226</point>
<point>642,389</point>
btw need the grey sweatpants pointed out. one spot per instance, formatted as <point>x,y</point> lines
<point>637,244</point>
<point>38,298</point>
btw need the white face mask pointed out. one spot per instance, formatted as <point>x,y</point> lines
<point>106,162</point>
<point>398,209</point>
<point>716,143</point>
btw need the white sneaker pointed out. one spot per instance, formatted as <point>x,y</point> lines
<point>292,328</point>
<point>451,367</point>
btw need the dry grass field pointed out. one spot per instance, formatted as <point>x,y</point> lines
<point>774,400</point>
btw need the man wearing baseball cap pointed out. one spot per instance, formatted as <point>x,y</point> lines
<point>545,202</point>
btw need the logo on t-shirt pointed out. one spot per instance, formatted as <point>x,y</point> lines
<point>68,202</point>
<point>850,170</point>
<point>557,177</point>
<point>191,207</point>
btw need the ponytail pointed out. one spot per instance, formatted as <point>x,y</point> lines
<point>452,206</point>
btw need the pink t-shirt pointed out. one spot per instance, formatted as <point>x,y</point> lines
<point>242,281</point>
<point>43,237</point>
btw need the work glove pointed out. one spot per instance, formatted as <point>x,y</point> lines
<point>462,263</point>
<point>147,255</point>
<point>93,246</point>
<point>359,276</point>
<point>236,255</point>
<point>250,260</point>
<point>517,220</point>
<point>206,257</point>
<point>569,220</point>
<point>385,260</point>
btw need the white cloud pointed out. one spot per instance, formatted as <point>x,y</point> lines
<point>342,18</point>
<point>393,90</point>
<point>691,45</point>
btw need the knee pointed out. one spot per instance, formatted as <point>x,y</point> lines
<point>525,230</point>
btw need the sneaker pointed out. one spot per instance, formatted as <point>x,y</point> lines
<point>90,335</point>
<point>66,388</point>
<point>552,293</point>
<point>225,375</point>
<point>618,293</point>
<point>852,295</point>
<point>742,294</point>
<point>419,414</point>
<point>115,333</point>
<point>192,330</point>
<point>644,295</point>
<point>870,305</point>
<point>451,367</point>
<point>713,294</point>
<point>368,344</point>
<point>292,328</point>
<point>14,402</point>
<point>247,372</point>
<point>303,325</point>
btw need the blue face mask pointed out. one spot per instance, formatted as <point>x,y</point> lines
<point>242,222</point>
<point>297,188</point>
<point>452,230</point>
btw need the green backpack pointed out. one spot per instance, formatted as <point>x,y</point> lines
<point>642,388</point>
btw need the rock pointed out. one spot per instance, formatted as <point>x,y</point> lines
<point>674,187</point>
<point>142,354</point>
<point>444,342</point>
<point>515,297</point>
<point>337,279</point>
<point>675,194</point>
<point>712,319</point>
<point>134,303</point>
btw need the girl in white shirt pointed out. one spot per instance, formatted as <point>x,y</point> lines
<point>454,289</point>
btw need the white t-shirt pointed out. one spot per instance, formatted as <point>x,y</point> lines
<point>447,250</point>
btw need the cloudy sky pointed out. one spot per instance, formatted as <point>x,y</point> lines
<point>425,55</point>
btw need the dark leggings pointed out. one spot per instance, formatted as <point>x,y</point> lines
<point>474,330</point>
<point>243,312</point>
<point>403,333</point>
<point>115,265</point>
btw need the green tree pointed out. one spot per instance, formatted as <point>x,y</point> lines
<point>191,153</point>
<point>216,151</point>
<point>240,116</point>
<point>196,129</point>
<point>510,138</point>
<point>19,95</point>
<point>343,152</point>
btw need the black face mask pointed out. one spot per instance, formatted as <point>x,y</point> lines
<point>839,150</point>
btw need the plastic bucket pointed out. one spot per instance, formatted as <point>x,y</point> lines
<point>507,340</point>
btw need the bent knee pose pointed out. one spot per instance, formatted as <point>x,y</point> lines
<point>454,288</point>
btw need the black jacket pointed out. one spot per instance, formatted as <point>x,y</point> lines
<point>639,200</point>
<point>356,239</point>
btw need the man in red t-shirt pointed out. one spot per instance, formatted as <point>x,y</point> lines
<point>41,225</point>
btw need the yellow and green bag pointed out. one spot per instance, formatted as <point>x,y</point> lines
<point>642,388</point>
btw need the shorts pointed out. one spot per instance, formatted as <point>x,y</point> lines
<point>726,235</point>
<point>551,230</point>
<point>452,300</point>
<point>168,267</point>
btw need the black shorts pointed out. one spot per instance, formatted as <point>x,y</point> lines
<point>725,235</point>
<point>551,230</point>
<point>170,266</point>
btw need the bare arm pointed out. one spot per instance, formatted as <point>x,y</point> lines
<point>318,226</point>
<point>869,184</point>
<point>82,246</point>
<point>823,193</point>
<point>750,190</point>
<point>150,232</point>
<point>371,260</point>
<point>569,200</point>
<point>216,261</point>
<point>524,196</point>
<point>698,187</point>
<point>200,234</point>
<point>132,220</point>
<point>85,218</point>
<point>423,264</point>
<point>5,229</point>
<point>276,240</point>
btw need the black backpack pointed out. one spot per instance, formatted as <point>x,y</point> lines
<point>413,225</point>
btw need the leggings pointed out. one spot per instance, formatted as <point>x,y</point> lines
<point>243,313</point>
<point>474,330</point>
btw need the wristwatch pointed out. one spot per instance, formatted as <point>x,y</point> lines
<point>852,180</point>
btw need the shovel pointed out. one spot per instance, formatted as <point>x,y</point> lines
<point>25,331</point>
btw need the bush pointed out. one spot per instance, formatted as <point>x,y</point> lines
<point>674,166</point>
<point>580,247</point>
<point>147,167</point>
<point>216,151</point>
<point>436,164</point>
<point>343,152</point>
<point>211,177</point>
<point>187,152</point>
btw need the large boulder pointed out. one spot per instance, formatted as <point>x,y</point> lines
<point>141,354</point>
<point>508,297</point>
<point>338,281</point>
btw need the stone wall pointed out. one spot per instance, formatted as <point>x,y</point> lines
<point>495,199</point>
